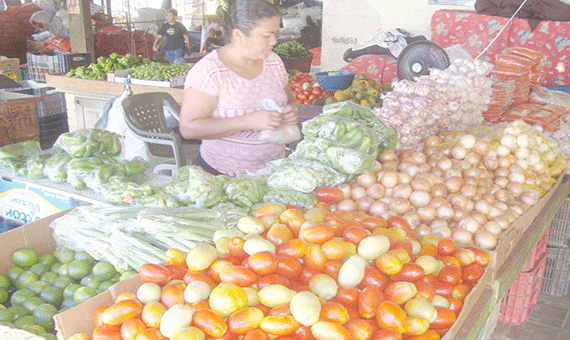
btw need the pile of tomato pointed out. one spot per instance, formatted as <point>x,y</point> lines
<point>295,274</point>
<point>306,88</point>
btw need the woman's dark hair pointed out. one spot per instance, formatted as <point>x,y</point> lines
<point>246,15</point>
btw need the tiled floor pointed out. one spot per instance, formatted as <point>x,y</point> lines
<point>549,319</point>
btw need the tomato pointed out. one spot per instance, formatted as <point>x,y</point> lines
<point>238,275</point>
<point>236,247</point>
<point>263,262</point>
<point>97,315</point>
<point>210,322</point>
<point>400,292</point>
<point>410,272</point>
<point>334,312</point>
<point>121,311</point>
<point>278,234</point>
<point>192,275</point>
<point>323,330</point>
<point>106,332</point>
<point>445,318</point>
<point>307,92</point>
<point>472,273</point>
<point>329,195</point>
<point>228,336</point>
<point>152,313</point>
<point>332,267</point>
<point>455,305</point>
<point>150,272</point>
<point>314,258</point>
<point>150,334</point>
<point>388,264</point>
<point>216,267</point>
<point>443,288</point>
<point>390,315</point>
<point>256,334</point>
<point>173,293</point>
<point>359,329</point>
<point>131,327</point>
<point>280,310</point>
<point>460,291</point>
<point>178,271</point>
<point>386,334</point>
<point>355,234</point>
<point>450,274</point>
<point>318,233</point>
<point>429,335</point>
<point>288,266</point>
<point>348,296</point>
<point>337,248</point>
<point>272,279</point>
<point>397,222</point>
<point>481,256</point>
<point>279,324</point>
<point>293,218</point>
<point>446,246</point>
<point>465,256</point>
<point>294,247</point>
<point>244,320</point>
<point>425,289</point>
<point>373,277</point>
<point>368,301</point>
<point>306,274</point>
<point>317,91</point>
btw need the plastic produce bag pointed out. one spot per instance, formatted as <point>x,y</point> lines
<point>337,156</point>
<point>303,175</point>
<point>159,200</point>
<point>111,171</point>
<point>197,187</point>
<point>245,191</point>
<point>36,163</point>
<point>285,134</point>
<point>19,151</point>
<point>80,168</point>
<point>55,167</point>
<point>89,142</point>
<point>125,193</point>
<point>301,199</point>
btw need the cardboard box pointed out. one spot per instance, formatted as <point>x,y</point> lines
<point>36,235</point>
<point>121,76</point>
<point>79,318</point>
<point>8,65</point>
<point>26,202</point>
<point>18,118</point>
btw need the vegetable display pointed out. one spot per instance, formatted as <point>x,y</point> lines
<point>306,88</point>
<point>364,91</point>
<point>159,71</point>
<point>308,274</point>
<point>106,65</point>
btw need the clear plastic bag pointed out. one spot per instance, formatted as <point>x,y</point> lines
<point>36,163</point>
<point>285,134</point>
<point>303,175</point>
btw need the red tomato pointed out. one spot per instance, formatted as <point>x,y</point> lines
<point>359,329</point>
<point>334,312</point>
<point>210,322</point>
<point>373,277</point>
<point>450,274</point>
<point>398,222</point>
<point>445,318</point>
<point>355,234</point>
<point>410,272</point>
<point>472,273</point>
<point>368,301</point>
<point>263,262</point>
<point>481,256</point>
<point>386,334</point>
<point>273,279</point>
<point>155,273</point>
<point>329,195</point>
<point>317,91</point>
<point>238,275</point>
<point>178,271</point>
<point>332,267</point>
<point>348,296</point>
<point>446,246</point>
<point>198,276</point>
<point>443,288</point>
<point>245,320</point>
<point>288,266</point>
<point>256,334</point>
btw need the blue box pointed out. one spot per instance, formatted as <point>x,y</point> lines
<point>565,89</point>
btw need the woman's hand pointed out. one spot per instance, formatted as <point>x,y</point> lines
<point>265,120</point>
<point>291,114</point>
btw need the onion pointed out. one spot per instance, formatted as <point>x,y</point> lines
<point>437,171</point>
<point>453,184</point>
<point>445,212</point>
<point>375,191</point>
<point>492,227</point>
<point>406,153</point>
<point>502,150</point>
<point>483,189</point>
<point>389,179</point>
<point>473,158</point>
<point>482,206</point>
<point>445,150</point>
<point>490,163</point>
<point>387,155</point>
<point>469,191</point>
<point>458,200</point>
<point>424,168</point>
<point>366,179</point>
<point>412,170</point>
<point>439,222</point>
<point>495,212</point>
<point>427,213</point>
<point>522,153</point>
<point>345,187</point>
<point>504,161</point>
<point>502,172</point>
<point>390,166</point>
<point>462,236</point>
<point>523,140</point>
<point>515,189</point>
<point>530,197</point>
<point>388,192</point>
<point>432,142</point>
<point>456,171</point>
<point>357,192</point>
<point>364,203</point>
<point>444,164</point>
<point>442,231</point>
<point>482,146</point>
<point>501,182</point>
<point>508,141</point>
<point>378,208</point>
<point>437,202</point>
<point>517,177</point>
<point>400,205</point>
<point>467,141</point>
<point>402,190</point>
<point>469,223</point>
<point>486,240</point>
<point>458,152</point>
<point>420,184</point>
<point>479,216</point>
<point>531,180</point>
<point>423,230</point>
<point>413,219</point>
<point>470,205</point>
<point>490,198</point>
<point>460,213</point>
<point>346,205</point>
<point>438,190</point>
<point>404,177</point>
<point>419,198</point>
<point>419,157</point>
<point>516,208</point>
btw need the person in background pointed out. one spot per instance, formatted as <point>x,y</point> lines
<point>177,40</point>
<point>223,97</point>
<point>212,41</point>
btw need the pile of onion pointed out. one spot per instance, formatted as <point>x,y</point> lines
<point>460,186</point>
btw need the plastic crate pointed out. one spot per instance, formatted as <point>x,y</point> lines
<point>557,272</point>
<point>51,127</point>
<point>54,63</point>
<point>560,226</point>
<point>523,295</point>
<point>52,104</point>
<point>538,252</point>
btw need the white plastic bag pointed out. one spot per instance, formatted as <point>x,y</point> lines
<point>285,134</point>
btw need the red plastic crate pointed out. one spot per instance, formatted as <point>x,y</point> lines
<point>523,295</point>
<point>538,251</point>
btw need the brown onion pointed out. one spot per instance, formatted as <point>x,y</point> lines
<point>420,183</point>
<point>473,158</point>
<point>486,240</point>
<point>424,168</point>
<point>458,201</point>
<point>472,172</point>
<point>479,216</point>
<point>502,172</point>
<point>346,205</point>
<point>515,189</point>
<point>469,191</point>
<point>501,182</point>
<point>404,177</point>
<point>389,179</point>
<point>462,236</point>
<point>439,222</point>
<point>346,188</point>
<point>438,190</point>
<point>357,192</point>
<point>378,208</point>
<point>390,165</point>
<point>453,184</point>
<point>445,212</point>
<point>405,153</point>
<point>437,171</point>
<point>490,163</point>
<point>364,203</point>
<point>375,191</point>
<point>482,206</point>
<point>442,231</point>
<point>387,155</point>
<point>427,213</point>
<point>366,179</point>
<point>402,190</point>
<point>469,223</point>
<point>444,163</point>
<point>419,198</point>
<point>437,202</point>
<point>460,213</point>
<point>400,205</point>
<point>489,198</point>
<point>423,230</point>
<point>432,142</point>
<point>493,227</point>
<point>413,219</point>
<point>482,146</point>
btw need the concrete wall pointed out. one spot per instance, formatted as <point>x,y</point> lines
<point>348,22</point>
